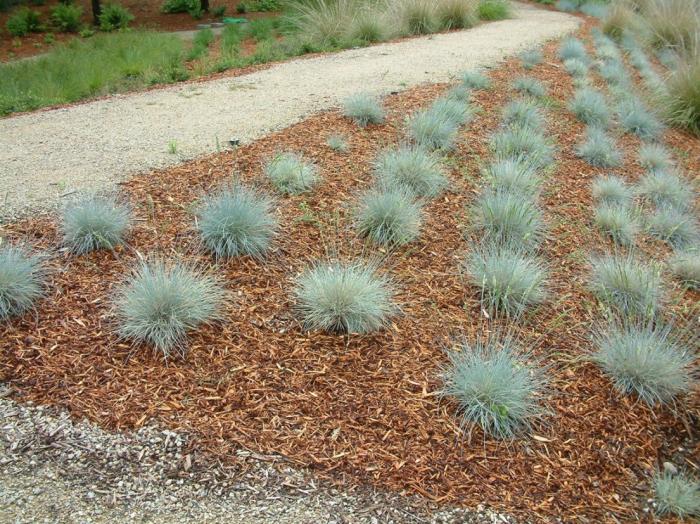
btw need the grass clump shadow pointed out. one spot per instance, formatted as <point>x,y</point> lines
<point>21,281</point>
<point>94,223</point>
<point>390,217</point>
<point>290,174</point>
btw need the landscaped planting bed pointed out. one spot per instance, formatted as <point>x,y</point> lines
<point>368,408</point>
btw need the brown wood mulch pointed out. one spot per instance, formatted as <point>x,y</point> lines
<point>362,410</point>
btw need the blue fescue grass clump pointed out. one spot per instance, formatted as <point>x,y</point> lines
<point>576,67</point>
<point>655,157</point>
<point>613,72</point>
<point>338,143</point>
<point>611,190</point>
<point>94,223</point>
<point>617,222</point>
<point>461,93</point>
<point>590,107</point>
<point>475,80</point>
<point>626,285</point>
<point>432,130</point>
<point>594,9</point>
<point>521,143</point>
<point>344,298</point>
<point>599,149</point>
<point>646,360</point>
<point>568,6</point>
<point>496,386</point>
<point>452,110</point>
<point>531,58</point>
<point>677,227</point>
<point>637,119</point>
<point>413,168</point>
<point>237,221</point>
<point>573,48</point>
<point>390,217</point>
<point>685,266</point>
<point>663,188</point>
<point>511,281</point>
<point>523,113</point>
<point>514,176</point>
<point>21,281</point>
<point>364,109</point>
<point>162,302</point>
<point>506,218</point>
<point>676,494</point>
<point>291,174</point>
<point>530,86</point>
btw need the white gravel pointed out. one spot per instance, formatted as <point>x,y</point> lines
<point>47,154</point>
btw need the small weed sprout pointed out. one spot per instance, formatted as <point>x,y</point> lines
<point>676,494</point>
<point>677,227</point>
<point>431,130</point>
<point>612,190</point>
<point>495,387</point>
<point>475,80</point>
<point>390,217</point>
<point>576,67</point>
<point>290,174</point>
<point>162,302</point>
<point>685,266</point>
<point>531,58</point>
<point>655,157</point>
<point>616,222</point>
<point>514,176</point>
<point>411,168</point>
<point>663,189</point>
<point>521,143</point>
<point>530,86</point>
<point>338,143</point>
<point>237,221</point>
<point>626,285</point>
<point>364,109</point>
<point>573,48</point>
<point>344,298</point>
<point>94,223</point>
<point>590,107</point>
<point>646,360</point>
<point>523,113</point>
<point>599,149</point>
<point>21,281</point>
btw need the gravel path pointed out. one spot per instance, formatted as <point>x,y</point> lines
<point>48,154</point>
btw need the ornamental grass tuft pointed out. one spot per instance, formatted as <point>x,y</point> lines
<point>389,217</point>
<point>291,174</point>
<point>364,109</point>
<point>413,168</point>
<point>21,281</point>
<point>94,223</point>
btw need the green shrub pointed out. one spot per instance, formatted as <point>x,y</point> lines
<point>685,266</point>
<point>179,6</point>
<point>515,177</point>
<point>290,174</point>
<point>344,298</point>
<point>432,130</point>
<point>521,143</point>
<point>626,285</point>
<point>666,189</point>
<point>676,494</point>
<point>612,190</point>
<point>23,22</point>
<point>677,227</point>
<point>616,222</point>
<point>260,29</point>
<point>219,11</point>
<point>114,17</point>
<point>412,168</point>
<point>231,40</point>
<point>21,281</point>
<point>599,149</point>
<point>200,44</point>
<point>162,302</point>
<point>66,17</point>
<point>523,113</point>
<point>530,86</point>
<point>364,109</point>
<point>589,106</point>
<point>390,217</point>
<point>531,58</point>
<point>495,386</point>
<point>237,221</point>
<point>475,80</point>
<point>95,223</point>
<point>646,360</point>
<point>494,9</point>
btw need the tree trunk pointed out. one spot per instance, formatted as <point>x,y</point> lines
<point>96,11</point>
<point>205,5</point>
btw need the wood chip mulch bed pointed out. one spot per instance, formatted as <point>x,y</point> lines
<point>363,410</point>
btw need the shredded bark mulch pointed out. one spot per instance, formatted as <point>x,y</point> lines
<point>363,409</point>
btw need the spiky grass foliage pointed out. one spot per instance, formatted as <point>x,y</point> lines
<point>322,22</point>
<point>432,130</point>
<point>390,217</point>
<point>514,176</point>
<point>676,494</point>
<point>645,359</point>
<point>672,23</point>
<point>455,111</point>
<point>599,149</point>
<point>237,221</point>
<point>573,48</point>
<point>576,67</point>
<point>510,280</point>
<point>368,26</point>
<point>494,9</point>
<point>568,6</point>
<point>594,9</point>
<point>664,188</point>
<point>338,143</point>
<point>456,14</point>
<point>94,223</point>
<point>531,58</point>
<point>412,168</point>
<point>364,109</point>
<point>496,386</point>
<point>506,218</point>
<point>685,266</point>
<point>461,93</point>
<point>590,107</point>
<point>637,119</point>
<point>613,72</point>
<point>530,86</point>
<point>618,18</point>
<point>521,143</point>
<point>417,17</point>
<point>681,103</point>
<point>617,222</point>
<point>21,281</point>
<point>655,157</point>
<point>523,113</point>
<point>611,190</point>
<point>677,227</point>
<point>475,80</point>
<point>626,285</point>
<point>668,57</point>
<point>291,174</point>
<point>162,302</point>
<point>344,298</point>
